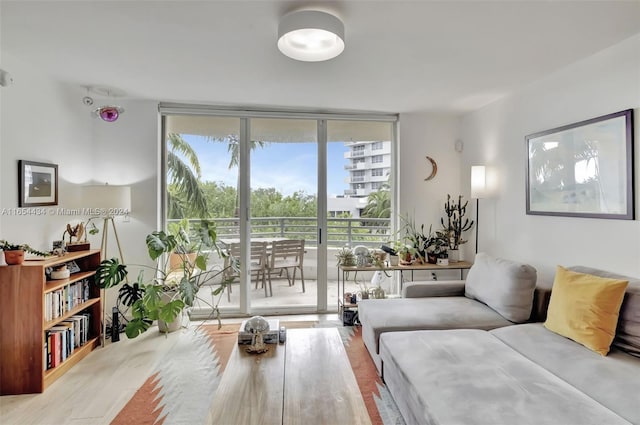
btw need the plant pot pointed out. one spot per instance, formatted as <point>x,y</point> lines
<point>432,258</point>
<point>454,255</point>
<point>176,261</point>
<point>165,327</point>
<point>394,260</point>
<point>14,257</point>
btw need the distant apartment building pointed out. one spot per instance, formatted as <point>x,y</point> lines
<point>369,166</point>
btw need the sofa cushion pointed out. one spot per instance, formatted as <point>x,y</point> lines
<point>628,332</point>
<point>585,307</point>
<point>504,285</point>
<point>470,377</point>
<point>401,314</point>
<point>611,381</point>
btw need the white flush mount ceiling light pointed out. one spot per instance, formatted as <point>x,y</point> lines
<point>311,36</point>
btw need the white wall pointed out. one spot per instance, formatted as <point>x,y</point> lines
<point>44,120</point>
<point>494,136</point>
<point>41,120</point>
<point>434,135</point>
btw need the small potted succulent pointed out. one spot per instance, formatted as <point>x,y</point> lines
<point>14,253</point>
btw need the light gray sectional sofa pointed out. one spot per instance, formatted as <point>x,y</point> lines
<point>519,374</point>
<point>497,293</point>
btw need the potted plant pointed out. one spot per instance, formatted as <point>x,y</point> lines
<point>415,239</point>
<point>166,293</point>
<point>185,252</point>
<point>14,253</point>
<point>437,245</point>
<point>455,225</point>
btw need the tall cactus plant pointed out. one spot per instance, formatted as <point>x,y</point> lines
<point>455,222</point>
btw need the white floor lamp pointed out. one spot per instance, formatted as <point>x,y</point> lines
<point>478,190</point>
<point>107,201</point>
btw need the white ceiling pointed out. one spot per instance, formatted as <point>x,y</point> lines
<point>400,56</point>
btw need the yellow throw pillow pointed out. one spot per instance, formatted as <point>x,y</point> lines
<point>585,308</point>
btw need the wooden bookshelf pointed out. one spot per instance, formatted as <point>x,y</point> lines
<point>23,327</point>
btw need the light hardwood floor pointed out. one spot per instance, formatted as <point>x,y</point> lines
<point>96,389</point>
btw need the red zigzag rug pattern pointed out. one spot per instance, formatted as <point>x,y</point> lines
<point>146,405</point>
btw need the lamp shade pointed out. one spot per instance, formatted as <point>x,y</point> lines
<point>478,181</point>
<point>310,35</point>
<point>107,200</point>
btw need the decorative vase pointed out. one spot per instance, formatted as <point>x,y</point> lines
<point>14,257</point>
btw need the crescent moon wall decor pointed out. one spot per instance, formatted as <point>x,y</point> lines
<point>434,168</point>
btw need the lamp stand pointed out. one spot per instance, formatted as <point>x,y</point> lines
<point>103,252</point>
<point>477,221</point>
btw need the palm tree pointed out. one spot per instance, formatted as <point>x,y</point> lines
<point>378,204</point>
<point>185,197</point>
<point>233,147</point>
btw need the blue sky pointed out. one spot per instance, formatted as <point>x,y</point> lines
<point>287,167</point>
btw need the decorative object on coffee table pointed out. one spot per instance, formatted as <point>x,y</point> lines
<point>257,326</point>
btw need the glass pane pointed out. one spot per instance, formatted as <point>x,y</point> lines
<point>202,182</point>
<point>359,197</point>
<point>284,208</point>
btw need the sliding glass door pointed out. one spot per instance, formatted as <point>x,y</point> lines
<point>285,192</point>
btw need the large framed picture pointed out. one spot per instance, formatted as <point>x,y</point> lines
<point>38,184</point>
<point>583,169</point>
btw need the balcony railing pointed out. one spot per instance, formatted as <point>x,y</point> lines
<point>371,232</point>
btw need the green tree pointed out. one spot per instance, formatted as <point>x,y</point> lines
<point>185,198</point>
<point>378,204</point>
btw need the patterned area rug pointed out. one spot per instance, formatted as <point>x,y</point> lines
<point>180,391</point>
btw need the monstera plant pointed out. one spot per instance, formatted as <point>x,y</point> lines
<point>161,292</point>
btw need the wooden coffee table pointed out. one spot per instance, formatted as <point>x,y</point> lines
<point>306,381</point>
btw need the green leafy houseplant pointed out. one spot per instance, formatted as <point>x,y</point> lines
<point>437,245</point>
<point>167,293</point>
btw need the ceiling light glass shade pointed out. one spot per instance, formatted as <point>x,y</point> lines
<point>311,36</point>
<point>109,113</point>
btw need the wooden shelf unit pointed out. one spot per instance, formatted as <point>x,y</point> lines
<point>23,326</point>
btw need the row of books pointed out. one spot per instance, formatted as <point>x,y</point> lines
<point>57,303</point>
<point>61,340</point>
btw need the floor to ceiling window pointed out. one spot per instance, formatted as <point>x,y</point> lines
<point>286,191</point>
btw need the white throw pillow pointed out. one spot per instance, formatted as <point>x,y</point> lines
<point>505,286</point>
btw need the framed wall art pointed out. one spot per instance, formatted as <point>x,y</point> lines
<point>37,184</point>
<point>583,169</point>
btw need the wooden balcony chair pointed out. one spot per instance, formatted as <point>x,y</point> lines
<point>287,255</point>
<point>258,265</point>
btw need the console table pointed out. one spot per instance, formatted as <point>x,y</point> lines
<point>343,270</point>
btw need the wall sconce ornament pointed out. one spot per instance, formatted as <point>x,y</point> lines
<point>109,113</point>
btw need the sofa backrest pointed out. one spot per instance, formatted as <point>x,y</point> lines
<point>628,330</point>
<point>504,285</point>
